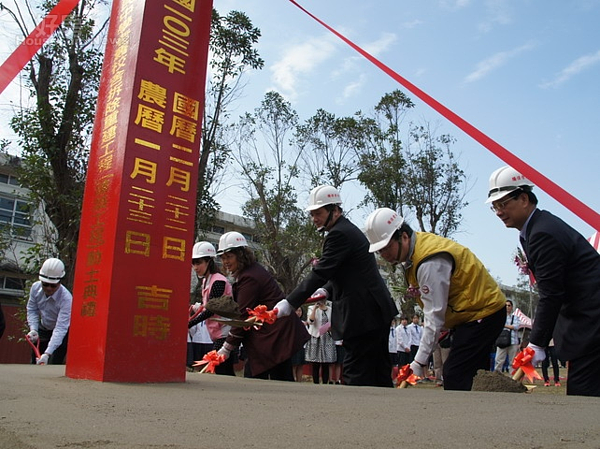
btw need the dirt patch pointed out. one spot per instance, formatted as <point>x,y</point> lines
<point>224,306</point>
<point>498,382</point>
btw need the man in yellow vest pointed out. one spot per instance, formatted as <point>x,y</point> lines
<point>454,289</point>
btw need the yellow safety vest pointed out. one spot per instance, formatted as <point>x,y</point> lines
<point>473,294</point>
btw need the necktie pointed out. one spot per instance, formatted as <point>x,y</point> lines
<point>523,244</point>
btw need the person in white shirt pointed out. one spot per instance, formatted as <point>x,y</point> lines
<point>393,345</point>
<point>452,287</point>
<point>403,342</point>
<point>416,331</point>
<point>49,314</point>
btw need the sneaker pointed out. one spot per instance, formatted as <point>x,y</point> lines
<point>546,384</point>
<point>557,384</point>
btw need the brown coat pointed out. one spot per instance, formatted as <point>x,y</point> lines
<point>274,343</point>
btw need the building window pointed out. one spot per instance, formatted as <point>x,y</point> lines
<point>218,229</point>
<point>14,216</point>
<point>10,283</point>
<point>8,179</point>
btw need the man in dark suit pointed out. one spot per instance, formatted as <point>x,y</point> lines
<point>362,305</point>
<point>567,272</point>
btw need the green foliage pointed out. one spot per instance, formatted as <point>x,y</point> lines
<point>232,42</point>
<point>417,176</point>
<point>55,131</point>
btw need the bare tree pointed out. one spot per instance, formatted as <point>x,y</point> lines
<point>268,162</point>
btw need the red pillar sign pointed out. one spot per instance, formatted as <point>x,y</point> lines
<point>131,293</point>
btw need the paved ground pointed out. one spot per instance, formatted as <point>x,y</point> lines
<point>41,408</point>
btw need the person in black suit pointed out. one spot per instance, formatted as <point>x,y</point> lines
<point>362,305</point>
<point>567,272</point>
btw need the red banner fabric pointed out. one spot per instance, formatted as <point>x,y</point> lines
<point>32,43</point>
<point>132,278</point>
<point>580,209</point>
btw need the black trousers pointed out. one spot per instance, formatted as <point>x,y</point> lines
<point>59,357</point>
<point>470,350</point>
<point>584,375</point>
<point>367,360</point>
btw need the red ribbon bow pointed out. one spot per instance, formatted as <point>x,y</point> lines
<point>522,361</point>
<point>262,315</point>
<point>406,376</point>
<point>211,360</point>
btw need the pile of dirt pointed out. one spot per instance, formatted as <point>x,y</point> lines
<point>224,306</point>
<point>495,381</point>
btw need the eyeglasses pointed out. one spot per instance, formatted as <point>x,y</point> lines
<point>500,205</point>
<point>46,284</point>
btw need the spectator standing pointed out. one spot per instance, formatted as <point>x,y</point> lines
<point>338,366</point>
<point>298,360</point>
<point>403,342</point>
<point>415,330</point>
<point>512,323</point>
<point>49,314</point>
<point>551,358</point>
<point>320,349</point>
<point>393,345</point>
<point>567,272</point>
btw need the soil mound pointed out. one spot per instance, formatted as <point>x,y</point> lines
<point>495,381</point>
<point>224,306</point>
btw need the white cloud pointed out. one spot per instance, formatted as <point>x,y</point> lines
<point>412,24</point>
<point>380,45</point>
<point>354,88</point>
<point>579,65</point>
<point>498,12</point>
<point>455,4</point>
<point>495,61</point>
<point>300,60</point>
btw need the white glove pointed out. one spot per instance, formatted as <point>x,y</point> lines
<point>33,336</point>
<point>320,292</point>
<point>417,369</point>
<point>225,350</point>
<point>196,306</point>
<point>43,360</point>
<point>284,308</point>
<point>539,355</point>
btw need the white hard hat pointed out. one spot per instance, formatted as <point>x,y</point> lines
<point>380,227</point>
<point>322,196</point>
<point>53,270</point>
<point>231,240</point>
<point>506,180</point>
<point>203,249</point>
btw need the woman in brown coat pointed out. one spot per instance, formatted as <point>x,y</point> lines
<point>269,348</point>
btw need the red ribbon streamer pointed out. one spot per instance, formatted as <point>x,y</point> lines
<point>405,374</point>
<point>580,209</point>
<point>523,361</point>
<point>211,359</point>
<point>32,43</point>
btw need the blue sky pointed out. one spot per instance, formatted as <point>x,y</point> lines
<point>524,72</point>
